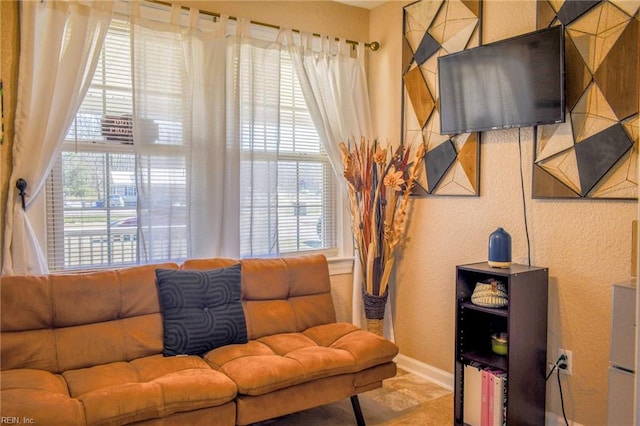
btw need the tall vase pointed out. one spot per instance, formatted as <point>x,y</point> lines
<point>374,307</point>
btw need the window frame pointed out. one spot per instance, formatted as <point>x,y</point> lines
<point>54,224</point>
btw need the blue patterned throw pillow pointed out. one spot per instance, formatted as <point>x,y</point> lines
<point>201,310</point>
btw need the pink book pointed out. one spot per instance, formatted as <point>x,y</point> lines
<point>484,406</point>
<point>491,402</point>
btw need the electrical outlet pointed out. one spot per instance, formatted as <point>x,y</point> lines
<point>568,368</point>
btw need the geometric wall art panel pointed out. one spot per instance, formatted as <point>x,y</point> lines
<point>577,77</point>
<point>433,28</point>
<point>598,154</point>
<point>438,161</point>
<point>462,177</point>
<point>421,99</point>
<point>614,69</point>
<point>630,7</point>
<point>596,32</point>
<point>594,154</point>
<point>570,10</point>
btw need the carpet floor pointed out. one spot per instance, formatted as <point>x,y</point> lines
<point>402,400</point>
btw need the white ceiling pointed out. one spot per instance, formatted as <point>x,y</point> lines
<point>362,3</point>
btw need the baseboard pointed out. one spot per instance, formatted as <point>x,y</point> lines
<point>552,419</point>
<point>425,371</point>
<point>446,380</point>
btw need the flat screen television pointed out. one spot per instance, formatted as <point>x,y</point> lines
<point>517,82</point>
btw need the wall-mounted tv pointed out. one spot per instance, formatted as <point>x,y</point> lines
<point>516,82</point>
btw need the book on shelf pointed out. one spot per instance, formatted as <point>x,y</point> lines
<point>472,395</point>
<point>497,398</point>
<point>484,401</point>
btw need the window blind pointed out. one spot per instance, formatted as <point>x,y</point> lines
<point>92,191</point>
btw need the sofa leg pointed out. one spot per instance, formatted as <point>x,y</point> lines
<point>357,411</point>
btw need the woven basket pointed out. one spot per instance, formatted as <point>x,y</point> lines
<point>490,294</point>
<point>374,305</point>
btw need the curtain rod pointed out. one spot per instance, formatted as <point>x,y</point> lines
<point>374,45</point>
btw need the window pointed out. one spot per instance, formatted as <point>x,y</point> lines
<point>92,192</point>
<point>303,207</point>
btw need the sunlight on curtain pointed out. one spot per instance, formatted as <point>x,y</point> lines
<point>185,172</point>
<point>206,134</point>
<point>335,87</point>
<point>254,126</point>
<point>59,47</point>
<point>162,138</point>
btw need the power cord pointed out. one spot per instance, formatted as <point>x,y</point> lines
<point>524,202</point>
<point>560,364</point>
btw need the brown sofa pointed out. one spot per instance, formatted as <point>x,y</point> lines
<point>87,348</point>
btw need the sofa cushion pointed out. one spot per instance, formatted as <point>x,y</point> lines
<point>280,295</point>
<point>148,387</point>
<point>39,397</point>
<point>281,360</point>
<point>113,315</point>
<point>201,310</point>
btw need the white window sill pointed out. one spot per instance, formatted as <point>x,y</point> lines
<point>340,265</point>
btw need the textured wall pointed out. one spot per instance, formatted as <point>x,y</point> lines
<point>585,244</point>
<point>322,17</point>
<point>342,292</point>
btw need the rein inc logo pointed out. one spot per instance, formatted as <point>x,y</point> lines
<point>17,420</point>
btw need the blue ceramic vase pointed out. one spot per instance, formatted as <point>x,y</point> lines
<point>500,249</point>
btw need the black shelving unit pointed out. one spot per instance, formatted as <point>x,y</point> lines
<point>525,322</point>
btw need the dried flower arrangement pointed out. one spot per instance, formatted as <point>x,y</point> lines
<point>379,189</point>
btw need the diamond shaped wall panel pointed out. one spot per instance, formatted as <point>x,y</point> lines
<point>468,146</point>
<point>454,26</point>
<point>455,182</point>
<point>578,75</point>
<point>554,139</point>
<point>620,180</point>
<point>547,186</point>
<point>572,9</point>
<point>595,33</point>
<point>592,114</point>
<point>418,17</point>
<point>421,99</point>
<point>619,71</point>
<point>437,161</point>
<point>460,40</point>
<point>428,46</point>
<point>564,167</point>
<point>597,155</point>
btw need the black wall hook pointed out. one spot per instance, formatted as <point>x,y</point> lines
<point>21,184</point>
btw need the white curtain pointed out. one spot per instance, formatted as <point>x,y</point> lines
<point>206,114</point>
<point>254,120</point>
<point>186,170</point>
<point>334,83</point>
<point>59,47</point>
<point>335,88</point>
